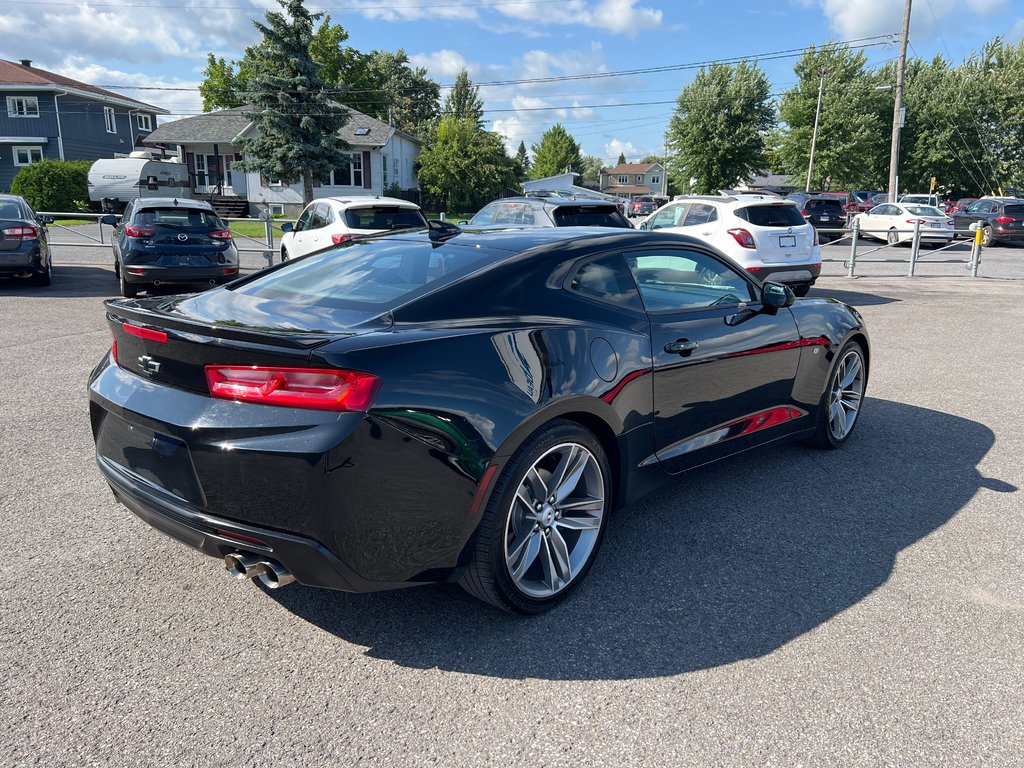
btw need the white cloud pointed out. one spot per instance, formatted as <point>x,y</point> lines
<point>444,64</point>
<point>615,147</point>
<point>180,103</point>
<point>852,19</point>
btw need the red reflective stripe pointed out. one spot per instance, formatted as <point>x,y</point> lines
<point>612,393</point>
<point>145,333</point>
<point>765,419</point>
<point>481,489</point>
<point>240,537</point>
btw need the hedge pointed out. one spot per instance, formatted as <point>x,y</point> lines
<point>53,185</point>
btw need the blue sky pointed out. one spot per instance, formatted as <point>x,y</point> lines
<point>162,44</point>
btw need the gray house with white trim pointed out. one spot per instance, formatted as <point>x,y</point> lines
<point>46,115</point>
<point>210,145</point>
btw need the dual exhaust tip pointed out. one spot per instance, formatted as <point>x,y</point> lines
<point>270,573</point>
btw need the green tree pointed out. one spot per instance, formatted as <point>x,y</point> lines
<point>716,135</point>
<point>556,153</point>
<point>326,50</point>
<point>522,160</point>
<point>590,170</point>
<point>653,159</point>
<point>53,185</point>
<point>221,87</point>
<point>463,100</point>
<point>464,167</point>
<point>296,121</point>
<point>996,110</point>
<point>622,159</point>
<point>853,133</point>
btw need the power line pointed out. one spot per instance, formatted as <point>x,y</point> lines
<point>179,7</point>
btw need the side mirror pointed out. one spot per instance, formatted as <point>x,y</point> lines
<point>645,225</point>
<point>463,223</point>
<point>44,219</point>
<point>777,295</point>
<point>287,227</point>
<point>109,219</point>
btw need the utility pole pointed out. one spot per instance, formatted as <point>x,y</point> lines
<point>897,109</point>
<point>814,136</point>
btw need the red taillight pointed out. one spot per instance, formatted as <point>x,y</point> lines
<point>816,241</point>
<point>744,238</point>
<point>113,350</point>
<point>135,270</point>
<point>25,233</point>
<point>230,270</point>
<point>339,239</point>
<point>1005,220</point>
<point>805,214</point>
<point>916,221</point>
<point>950,222</point>
<point>221,234</point>
<point>321,388</point>
<point>145,333</point>
<point>754,269</point>
<point>131,231</point>
<point>240,537</point>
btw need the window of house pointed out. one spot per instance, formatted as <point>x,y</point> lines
<point>396,179</point>
<point>108,119</point>
<point>655,179</point>
<point>22,106</point>
<point>145,122</point>
<point>623,179</point>
<point>640,178</point>
<point>276,209</point>
<point>350,174</point>
<point>27,155</point>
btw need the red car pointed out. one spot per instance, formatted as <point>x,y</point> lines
<point>958,205</point>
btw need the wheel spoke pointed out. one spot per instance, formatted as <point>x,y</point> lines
<point>571,478</point>
<point>838,420</point>
<point>523,497</point>
<point>537,484</point>
<point>560,556</point>
<point>525,551</point>
<point>582,503</point>
<point>579,523</point>
<point>851,372</point>
<point>547,564</point>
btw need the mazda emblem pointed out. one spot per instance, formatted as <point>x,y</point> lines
<point>183,236</point>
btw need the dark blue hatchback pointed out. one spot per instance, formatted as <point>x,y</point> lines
<point>160,241</point>
<point>24,251</point>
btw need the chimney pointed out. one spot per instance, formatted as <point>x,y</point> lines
<point>26,62</point>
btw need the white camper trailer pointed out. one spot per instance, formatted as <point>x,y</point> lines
<point>114,182</point>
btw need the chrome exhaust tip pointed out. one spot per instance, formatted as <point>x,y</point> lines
<point>273,575</point>
<point>241,566</point>
<point>213,282</point>
<point>157,282</point>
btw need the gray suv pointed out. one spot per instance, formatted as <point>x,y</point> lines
<point>549,212</point>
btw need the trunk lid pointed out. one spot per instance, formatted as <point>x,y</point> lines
<point>780,231</point>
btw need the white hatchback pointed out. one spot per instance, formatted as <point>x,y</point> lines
<point>766,235</point>
<point>895,223</point>
<point>331,221</point>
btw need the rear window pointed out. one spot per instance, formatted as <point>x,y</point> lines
<point>823,205</point>
<point>924,210</point>
<point>589,216</point>
<point>772,215</point>
<point>1014,210</point>
<point>377,274</point>
<point>9,209</point>
<point>384,218</point>
<point>178,218</point>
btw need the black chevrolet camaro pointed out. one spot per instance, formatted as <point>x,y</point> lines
<point>445,405</point>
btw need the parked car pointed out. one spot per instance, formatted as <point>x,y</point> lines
<point>825,213</point>
<point>895,223</point>
<point>847,200</point>
<point>549,212</point>
<point>932,200</point>
<point>328,221</point>
<point>24,249</point>
<point>1002,219</point>
<point>878,198</point>
<point>864,200</point>
<point>470,407</point>
<point>801,197</point>
<point>955,206</point>
<point>642,205</point>
<point>169,240</point>
<point>767,236</point>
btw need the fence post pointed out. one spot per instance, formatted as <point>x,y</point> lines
<point>854,232</point>
<point>99,225</point>
<point>976,250</point>
<point>915,247</point>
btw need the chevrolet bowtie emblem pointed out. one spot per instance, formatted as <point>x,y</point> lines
<point>148,365</point>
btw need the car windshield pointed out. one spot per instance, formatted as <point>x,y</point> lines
<point>179,218</point>
<point>924,210</point>
<point>589,216</point>
<point>773,215</point>
<point>384,218</point>
<point>378,274</point>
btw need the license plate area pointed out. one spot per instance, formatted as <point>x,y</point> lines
<point>787,241</point>
<point>158,459</point>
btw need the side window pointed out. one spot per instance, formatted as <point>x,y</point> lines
<point>680,280</point>
<point>319,218</point>
<point>700,213</point>
<point>607,279</point>
<point>323,210</point>
<point>305,219</point>
<point>669,216</point>
<point>486,214</point>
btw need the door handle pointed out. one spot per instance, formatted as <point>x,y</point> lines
<point>681,346</point>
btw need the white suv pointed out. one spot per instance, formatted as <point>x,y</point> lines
<point>334,220</point>
<point>766,235</point>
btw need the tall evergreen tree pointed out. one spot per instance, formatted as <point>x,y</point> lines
<point>463,100</point>
<point>522,159</point>
<point>622,158</point>
<point>717,132</point>
<point>296,122</point>
<point>556,153</point>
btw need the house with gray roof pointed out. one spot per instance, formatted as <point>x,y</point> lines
<point>44,116</point>
<point>210,146</point>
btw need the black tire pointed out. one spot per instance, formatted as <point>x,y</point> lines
<point>43,279</point>
<point>893,238</point>
<point>128,290</point>
<point>487,575</point>
<point>824,436</point>
<point>987,240</point>
<point>284,254</point>
<point>802,290</point>
<point>117,269</point>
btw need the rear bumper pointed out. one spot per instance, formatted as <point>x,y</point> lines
<point>310,562</point>
<point>21,261</point>
<point>790,274</point>
<point>151,274</point>
<point>1009,235</point>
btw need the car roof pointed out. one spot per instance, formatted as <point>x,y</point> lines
<point>174,202</point>
<point>362,201</point>
<point>519,239</point>
<point>539,202</point>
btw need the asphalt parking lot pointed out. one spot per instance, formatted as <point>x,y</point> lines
<point>793,607</point>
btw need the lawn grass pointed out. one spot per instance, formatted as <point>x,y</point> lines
<point>73,222</point>
<point>453,218</point>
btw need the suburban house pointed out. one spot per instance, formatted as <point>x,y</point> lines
<point>210,146</point>
<point>46,115</point>
<point>630,179</point>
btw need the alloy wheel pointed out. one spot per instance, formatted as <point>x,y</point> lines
<point>846,394</point>
<point>894,237</point>
<point>553,525</point>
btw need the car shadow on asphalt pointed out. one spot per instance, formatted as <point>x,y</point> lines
<point>67,282</point>
<point>853,298</point>
<point>731,563</point>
